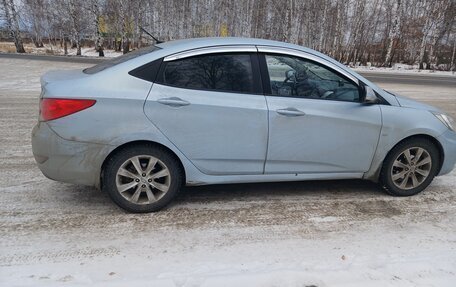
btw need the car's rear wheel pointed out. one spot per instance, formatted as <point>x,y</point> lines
<point>410,167</point>
<point>142,178</point>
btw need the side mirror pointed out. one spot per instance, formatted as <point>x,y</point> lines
<point>369,96</point>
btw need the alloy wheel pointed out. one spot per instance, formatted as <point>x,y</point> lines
<point>411,168</point>
<point>143,179</point>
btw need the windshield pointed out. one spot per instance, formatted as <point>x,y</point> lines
<point>121,59</point>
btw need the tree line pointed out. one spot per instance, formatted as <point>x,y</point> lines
<point>380,32</point>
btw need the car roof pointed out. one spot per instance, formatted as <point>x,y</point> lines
<point>195,43</point>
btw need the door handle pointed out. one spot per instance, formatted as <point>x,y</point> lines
<point>173,102</point>
<point>291,112</point>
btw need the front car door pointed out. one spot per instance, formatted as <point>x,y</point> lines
<point>316,122</point>
<point>209,103</point>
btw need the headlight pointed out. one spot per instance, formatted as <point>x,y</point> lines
<point>446,120</point>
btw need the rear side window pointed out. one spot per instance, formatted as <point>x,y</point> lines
<point>214,72</point>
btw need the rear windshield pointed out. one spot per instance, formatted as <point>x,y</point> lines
<point>115,61</point>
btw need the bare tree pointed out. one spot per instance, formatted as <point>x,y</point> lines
<point>444,19</point>
<point>95,9</point>
<point>393,34</point>
<point>377,31</point>
<point>35,9</point>
<point>452,64</point>
<point>12,24</point>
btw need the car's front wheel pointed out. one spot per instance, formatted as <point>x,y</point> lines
<point>142,178</point>
<point>410,167</point>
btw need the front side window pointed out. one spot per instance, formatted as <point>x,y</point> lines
<point>296,77</point>
<point>217,72</point>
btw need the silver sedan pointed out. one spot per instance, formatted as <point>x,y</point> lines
<point>231,110</point>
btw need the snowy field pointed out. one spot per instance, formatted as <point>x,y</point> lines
<point>330,233</point>
<point>403,69</point>
<point>8,47</point>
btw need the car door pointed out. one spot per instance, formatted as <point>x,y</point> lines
<point>210,105</point>
<point>316,122</point>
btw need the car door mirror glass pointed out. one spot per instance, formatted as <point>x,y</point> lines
<point>370,97</point>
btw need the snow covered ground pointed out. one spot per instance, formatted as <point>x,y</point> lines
<point>8,47</point>
<point>403,69</point>
<point>91,52</point>
<point>329,233</point>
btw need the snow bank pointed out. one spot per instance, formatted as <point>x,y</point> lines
<point>402,69</point>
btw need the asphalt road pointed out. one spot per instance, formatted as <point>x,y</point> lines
<point>405,79</point>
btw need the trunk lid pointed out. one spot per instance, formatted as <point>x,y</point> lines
<point>62,75</point>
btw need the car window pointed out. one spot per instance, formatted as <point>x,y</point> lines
<point>121,59</point>
<point>217,72</point>
<point>297,77</point>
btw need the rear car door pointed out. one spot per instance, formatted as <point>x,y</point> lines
<point>209,104</point>
<point>317,124</point>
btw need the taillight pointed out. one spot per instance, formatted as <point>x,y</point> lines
<point>51,109</point>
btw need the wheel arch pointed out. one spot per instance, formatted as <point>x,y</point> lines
<point>423,136</point>
<point>375,175</point>
<point>136,143</point>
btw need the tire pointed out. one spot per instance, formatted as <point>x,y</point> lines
<point>399,177</point>
<point>151,189</point>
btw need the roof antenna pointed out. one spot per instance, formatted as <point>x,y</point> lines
<point>156,40</point>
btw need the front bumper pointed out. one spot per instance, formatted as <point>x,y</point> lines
<point>448,142</point>
<point>67,160</point>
